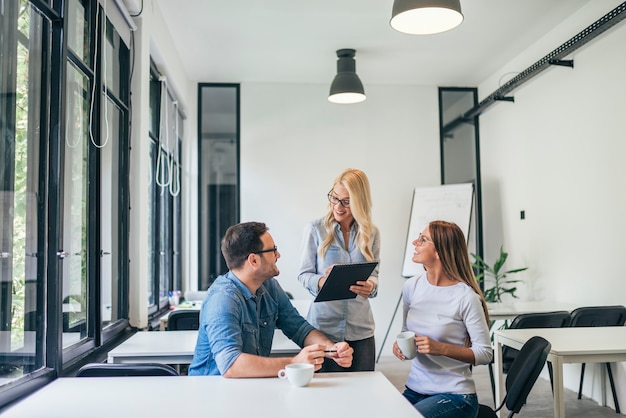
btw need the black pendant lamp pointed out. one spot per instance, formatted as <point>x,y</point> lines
<point>346,87</point>
<point>425,17</point>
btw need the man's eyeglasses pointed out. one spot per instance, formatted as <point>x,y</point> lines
<point>274,250</point>
<point>421,240</point>
<point>333,200</point>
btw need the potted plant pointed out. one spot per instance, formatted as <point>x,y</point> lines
<point>499,282</point>
<point>494,281</point>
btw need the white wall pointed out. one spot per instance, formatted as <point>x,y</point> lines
<point>293,145</point>
<point>557,153</point>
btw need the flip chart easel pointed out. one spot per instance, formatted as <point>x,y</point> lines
<point>449,202</point>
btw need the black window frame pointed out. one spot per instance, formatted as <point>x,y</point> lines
<point>165,207</point>
<point>51,134</point>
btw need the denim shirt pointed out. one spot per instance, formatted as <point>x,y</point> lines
<point>235,321</point>
<point>340,320</point>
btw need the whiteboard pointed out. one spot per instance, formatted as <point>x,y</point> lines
<point>449,202</point>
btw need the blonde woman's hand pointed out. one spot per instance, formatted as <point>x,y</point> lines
<point>322,279</point>
<point>363,288</point>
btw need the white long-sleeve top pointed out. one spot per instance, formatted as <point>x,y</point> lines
<point>447,314</point>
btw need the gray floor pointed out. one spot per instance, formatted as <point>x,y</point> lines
<point>539,401</point>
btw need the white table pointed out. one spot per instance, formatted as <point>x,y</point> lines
<point>177,347</point>
<point>171,347</point>
<point>507,311</point>
<point>302,305</point>
<point>364,394</point>
<point>569,345</point>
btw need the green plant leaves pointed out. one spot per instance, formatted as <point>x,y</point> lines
<point>491,275</point>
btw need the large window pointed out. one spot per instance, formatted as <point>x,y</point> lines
<point>63,188</point>
<point>113,194</point>
<point>166,132</point>
<point>23,83</point>
<point>94,265</point>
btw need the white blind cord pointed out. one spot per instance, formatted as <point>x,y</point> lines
<point>163,179</point>
<point>92,98</point>
<point>93,90</point>
<point>175,162</point>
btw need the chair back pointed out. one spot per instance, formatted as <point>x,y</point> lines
<point>524,372</point>
<point>486,412</point>
<point>126,369</point>
<point>599,316</point>
<point>183,319</point>
<point>555,319</point>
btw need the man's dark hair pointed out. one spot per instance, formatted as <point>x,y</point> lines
<point>240,241</point>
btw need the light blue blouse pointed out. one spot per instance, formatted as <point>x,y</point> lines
<point>340,320</point>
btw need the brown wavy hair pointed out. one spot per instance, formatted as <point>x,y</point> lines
<point>451,246</point>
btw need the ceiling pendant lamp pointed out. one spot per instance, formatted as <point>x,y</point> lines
<point>346,86</point>
<point>425,17</point>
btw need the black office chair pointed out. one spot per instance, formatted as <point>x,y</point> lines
<point>126,369</point>
<point>521,377</point>
<point>183,319</point>
<point>556,319</point>
<point>599,316</point>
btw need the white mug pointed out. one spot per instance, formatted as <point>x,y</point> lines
<point>298,374</point>
<point>406,342</point>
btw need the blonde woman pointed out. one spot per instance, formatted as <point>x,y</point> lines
<point>446,310</point>
<point>345,235</point>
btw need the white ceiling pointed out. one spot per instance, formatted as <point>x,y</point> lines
<point>295,41</point>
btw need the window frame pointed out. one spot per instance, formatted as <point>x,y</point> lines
<point>56,56</point>
<point>165,260</point>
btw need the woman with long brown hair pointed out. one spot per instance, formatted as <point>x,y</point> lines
<point>446,310</point>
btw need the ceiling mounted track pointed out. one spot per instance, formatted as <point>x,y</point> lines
<point>553,58</point>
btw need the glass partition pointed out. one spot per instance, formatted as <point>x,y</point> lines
<point>218,161</point>
<point>460,161</point>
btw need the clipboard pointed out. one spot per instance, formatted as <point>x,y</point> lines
<point>341,277</point>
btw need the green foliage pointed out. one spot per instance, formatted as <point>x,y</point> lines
<point>20,183</point>
<point>495,283</point>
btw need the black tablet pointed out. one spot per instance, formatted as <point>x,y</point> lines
<point>341,277</point>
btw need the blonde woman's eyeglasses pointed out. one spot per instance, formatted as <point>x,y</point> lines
<point>333,200</point>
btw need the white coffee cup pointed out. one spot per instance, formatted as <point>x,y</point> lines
<point>298,374</point>
<point>406,342</point>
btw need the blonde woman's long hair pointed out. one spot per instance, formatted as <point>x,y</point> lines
<point>450,244</point>
<point>358,186</point>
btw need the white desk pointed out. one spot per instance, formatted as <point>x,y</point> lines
<point>569,345</point>
<point>365,394</point>
<point>177,347</point>
<point>302,305</point>
<point>502,311</point>
<point>171,347</point>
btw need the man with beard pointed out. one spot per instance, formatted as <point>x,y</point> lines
<point>243,308</point>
